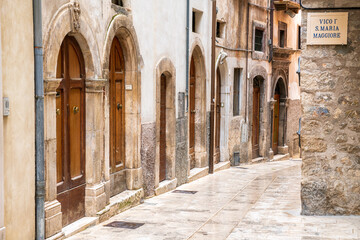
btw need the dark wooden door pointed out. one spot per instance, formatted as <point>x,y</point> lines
<point>275,139</point>
<point>217,117</point>
<point>117,109</point>
<point>70,131</point>
<point>192,114</point>
<point>162,170</point>
<point>256,119</point>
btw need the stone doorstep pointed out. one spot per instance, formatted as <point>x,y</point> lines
<point>166,186</point>
<point>281,157</point>
<point>121,202</point>
<point>221,166</point>
<point>79,225</point>
<point>197,173</point>
<point>258,160</point>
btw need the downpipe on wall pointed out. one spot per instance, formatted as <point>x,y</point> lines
<point>187,53</point>
<point>39,123</point>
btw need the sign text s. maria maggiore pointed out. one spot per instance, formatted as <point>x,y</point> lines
<point>327,28</point>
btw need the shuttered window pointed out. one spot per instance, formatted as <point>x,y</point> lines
<point>236,96</point>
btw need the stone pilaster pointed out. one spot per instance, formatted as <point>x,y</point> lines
<point>53,215</point>
<point>95,197</point>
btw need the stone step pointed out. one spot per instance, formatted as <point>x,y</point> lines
<point>166,186</point>
<point>120,203</point>
<point>197,173</point>
<point>79,225</point>
<point>221,166</point>
<point>281,157</point>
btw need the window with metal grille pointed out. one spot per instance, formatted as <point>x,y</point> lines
<point>259,35</point>
<point>237,87</point>
<point>118,2</point>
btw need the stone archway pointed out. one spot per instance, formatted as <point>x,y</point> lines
<point>61,25</point>
<point>166,68</point>
<point>121,27</point>
<point>197,56</point>
<point>258,78</point>
<point>279,115</point>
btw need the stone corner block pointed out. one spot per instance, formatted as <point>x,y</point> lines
<point>283,149</point>
<point>53,218</point>
<point>95,199</point>
<point>134,178</point>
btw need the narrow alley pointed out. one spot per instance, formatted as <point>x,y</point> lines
<point>259,201</point>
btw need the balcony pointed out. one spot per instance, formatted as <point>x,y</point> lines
<point>287,6</point>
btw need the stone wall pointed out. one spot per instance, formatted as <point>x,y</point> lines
<point>148,155</point>
<point>330,123</point>
<point>293,115</point>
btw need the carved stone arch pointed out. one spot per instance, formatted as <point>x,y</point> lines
<point>166,67</point>
<point>121,27</point>
<point>197,55</point>
<point>280,76</point>
<point>258,71</point>
<point>62,24</point>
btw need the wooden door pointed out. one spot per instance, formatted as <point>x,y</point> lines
<point>162,152</point>
<point>275,139</point>
<point>192,112</point>
<point>70,131</point>
<point>117,109</point>
<point>256,119</point>
<point>217,117</point>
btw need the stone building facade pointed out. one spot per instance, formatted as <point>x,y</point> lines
<point>263,59</point>
<point>330,122</point>
<point>127,110</point>
<point>17,129</point>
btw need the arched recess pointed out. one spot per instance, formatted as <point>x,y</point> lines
<point>257,111</point>
<point>165,69</point>
<point>62,25</point>
<point>198,103</point>
<point>279,114</point>
<point>121,28</point>
<point>65,23</point>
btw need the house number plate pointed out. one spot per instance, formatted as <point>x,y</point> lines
<point>128,87</point>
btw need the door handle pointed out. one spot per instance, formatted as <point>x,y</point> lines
<point>193,111</point>
<point>57,111</point>
<point>119,106</point>
<point>75,109</point>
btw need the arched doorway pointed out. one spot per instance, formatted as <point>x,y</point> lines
<point>163,124</point>
<point>279,115</point>
<point>117,118</point>
<point>256,117</point>
<point>70,131</point>
<point>192,111</point>
<point>217,117</point>
<point>197,109</point>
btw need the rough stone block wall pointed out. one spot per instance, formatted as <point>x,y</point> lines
<point>331,124</point>
<point>181,155</point>
<point>148,155</point>
<point>234,138</point>
<point>293,115</point>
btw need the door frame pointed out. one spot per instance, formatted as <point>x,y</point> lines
<point>166,67</point>
<point>69,186</point>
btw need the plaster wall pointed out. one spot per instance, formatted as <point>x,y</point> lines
<point>2,229</point>
<point>18,147</point>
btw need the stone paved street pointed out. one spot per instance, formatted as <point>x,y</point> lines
<point>259,201</point>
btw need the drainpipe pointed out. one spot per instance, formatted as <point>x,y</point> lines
<point>247,60</point>
<point>271,30</point>
<point>187,53</point>
<point>39,123</point>
<point>212,99</point>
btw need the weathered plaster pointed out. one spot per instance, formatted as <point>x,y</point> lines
<point>2,228</point>
<point>18,128</point>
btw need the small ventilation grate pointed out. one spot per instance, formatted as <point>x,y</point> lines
<point>242,167</point>
<point>127,225</point>
<point>184,191</point>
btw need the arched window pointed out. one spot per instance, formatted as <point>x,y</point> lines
<point>118,2</point>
